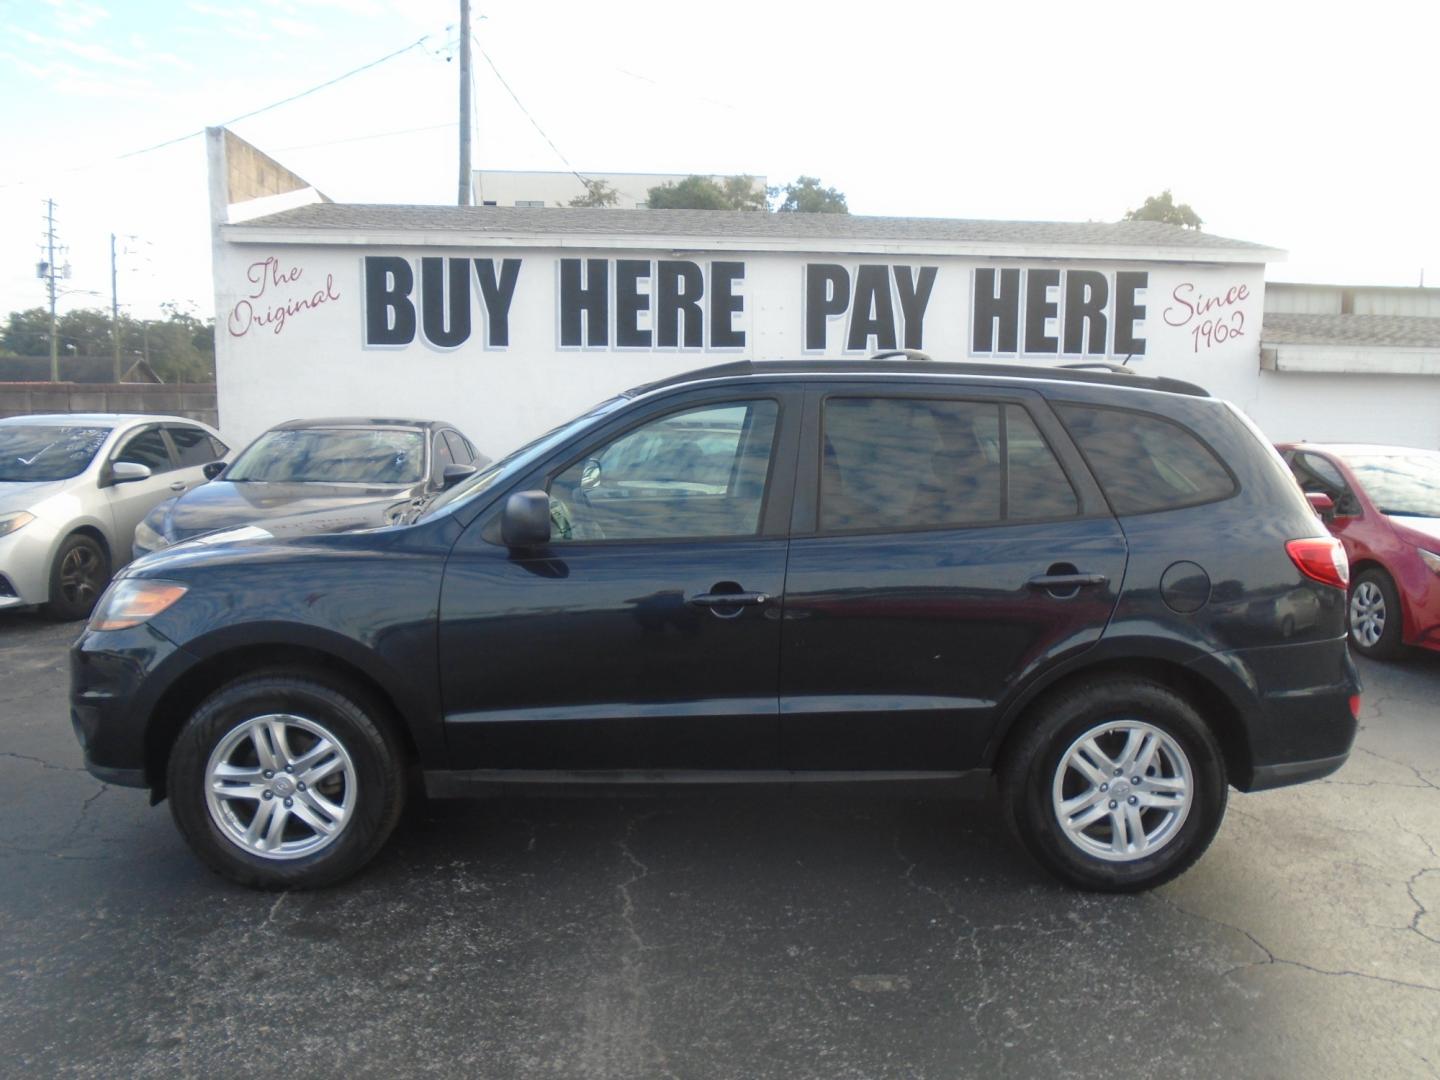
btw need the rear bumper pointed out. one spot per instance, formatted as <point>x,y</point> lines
<point>1294,709</point>
<point>1264,777</point>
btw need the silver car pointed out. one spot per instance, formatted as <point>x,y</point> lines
<point>72,489</point>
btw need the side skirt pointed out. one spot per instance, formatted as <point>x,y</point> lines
<point>492,783</point>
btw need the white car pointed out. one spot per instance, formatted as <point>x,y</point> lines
<point>72,489</point>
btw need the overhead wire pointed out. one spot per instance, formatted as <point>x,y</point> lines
<point>419,42</point>
<point>535,123</point>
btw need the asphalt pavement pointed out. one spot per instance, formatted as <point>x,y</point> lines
<point>834,933</point>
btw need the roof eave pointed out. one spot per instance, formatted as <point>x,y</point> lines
<point>700,245</point>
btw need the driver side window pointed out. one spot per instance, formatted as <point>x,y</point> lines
<point>700,473</point>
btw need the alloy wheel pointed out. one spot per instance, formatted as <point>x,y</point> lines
<point>1367,614</point>
<point>1122,790</point>
<point>81,575</point>
<point>280,786</point>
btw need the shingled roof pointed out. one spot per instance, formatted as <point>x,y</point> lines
<point>736,225</point>
<point>1390,331</point>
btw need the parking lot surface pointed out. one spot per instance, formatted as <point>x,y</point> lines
<point>835,933</point>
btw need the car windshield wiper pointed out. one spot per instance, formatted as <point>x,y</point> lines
<point>1391,511</point>
<point>415,508</point>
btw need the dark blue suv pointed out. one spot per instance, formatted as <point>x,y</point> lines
<point>1104,589</point>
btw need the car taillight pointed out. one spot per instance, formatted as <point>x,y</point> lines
<point>1322,559</point>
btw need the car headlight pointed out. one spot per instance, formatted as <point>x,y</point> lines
<point>150,538</point>
<point>131,601</point>
<point>1430,559</point>
<point>10,523</point>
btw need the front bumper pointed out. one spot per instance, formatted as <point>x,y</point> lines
<point>25,557</point>
<point>117,679</point>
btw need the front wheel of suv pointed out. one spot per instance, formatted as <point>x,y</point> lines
<point>286,780</point>
<point>1117,785</point>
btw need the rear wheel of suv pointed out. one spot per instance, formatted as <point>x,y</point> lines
<point>1117,785</point>
<point>286,780</point>
<point>1375,616</point>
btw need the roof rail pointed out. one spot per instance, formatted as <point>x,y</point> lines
<point>1099,365</point>
<point>908,354</point>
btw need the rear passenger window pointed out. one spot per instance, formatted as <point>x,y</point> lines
<point>897,463</point>
<point>1143,462</point>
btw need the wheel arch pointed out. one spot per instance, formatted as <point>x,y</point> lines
<point>1219,706</point>
<point>184,695</point>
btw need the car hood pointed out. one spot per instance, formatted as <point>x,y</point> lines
<point>302,507</point>
<point>1426,529</point>
<point>23,494</point>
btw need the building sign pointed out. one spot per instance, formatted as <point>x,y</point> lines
<point>625,304</point>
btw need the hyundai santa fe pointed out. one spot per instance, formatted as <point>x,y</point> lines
<point>1103,589</point>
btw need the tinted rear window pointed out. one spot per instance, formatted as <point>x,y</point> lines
<point>1144,462</point>
<point>926,463</point>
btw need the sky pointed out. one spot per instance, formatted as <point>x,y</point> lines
<point>1309,128</point>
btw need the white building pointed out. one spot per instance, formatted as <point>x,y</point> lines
<point>503,187</point>
<point>510,320</point>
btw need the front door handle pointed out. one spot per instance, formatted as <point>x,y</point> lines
<point>1066,581</point>
<point>729,599</point>
<point>178,485</point>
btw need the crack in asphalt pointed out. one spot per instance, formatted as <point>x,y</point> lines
<point>43,763</point>
<point>1404,765</point>
<point>1279,961</point>
<point>1420,909</point>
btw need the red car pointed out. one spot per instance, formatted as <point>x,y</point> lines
<point>1383,502</point>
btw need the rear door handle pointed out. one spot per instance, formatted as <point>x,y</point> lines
<point>729,599</point>
<point>1066,581</point>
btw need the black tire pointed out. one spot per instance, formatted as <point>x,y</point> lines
<point>78,576</point>
<point>1028,773</point>
<point>1389,644</point>
<point>361,727</point>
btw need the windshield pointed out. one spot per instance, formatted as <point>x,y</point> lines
<point>38,453</point>
<point>1404,484</point>
<point>332,456</point>
<point>522,457</point>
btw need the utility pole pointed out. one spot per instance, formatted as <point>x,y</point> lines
<point>464,195</point>
<point>114,310</point>
<point>47,271</point>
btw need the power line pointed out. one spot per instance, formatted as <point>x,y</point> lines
<point>363,138</point>
<point>284,101</point>
<point>521,105</point>
<point>235,120</point>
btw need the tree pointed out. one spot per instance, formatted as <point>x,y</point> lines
<point>180,347</point>
<point>597,193</point>
<point>1163,207</point>
<point>806,196</point>
<point>703,193</point>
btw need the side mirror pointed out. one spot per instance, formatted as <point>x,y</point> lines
<point>453,474</point>
<point>214,469</point>
<point>1347,506</point>
<point>525,521</point>
<point>127,472</point>
<point>1321,503</point>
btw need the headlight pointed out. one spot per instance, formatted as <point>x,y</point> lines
<point>131,601</point>
<point>1430,559</point>
<point>10,523</point>
<point>148,538</point>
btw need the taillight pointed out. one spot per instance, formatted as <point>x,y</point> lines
<point>1321,558</point>
<point>1355,706</point>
